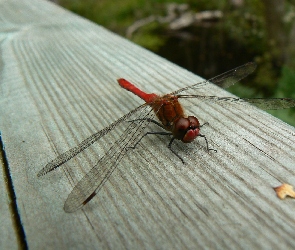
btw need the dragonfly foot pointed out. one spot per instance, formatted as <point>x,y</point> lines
<point>215,151</point>
<point>206,123</point>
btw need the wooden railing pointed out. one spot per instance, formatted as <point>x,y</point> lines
<point>58,86</point>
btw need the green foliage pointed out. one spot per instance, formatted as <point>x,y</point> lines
<point>118,15</point>
<point>148,38</point>
<point>286,84</point>
<point>243,28</point>
<point>286,88</point>
<point>246,25</point>
<point>243,91</point>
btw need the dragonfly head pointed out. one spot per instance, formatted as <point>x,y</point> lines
<point>186,129</point>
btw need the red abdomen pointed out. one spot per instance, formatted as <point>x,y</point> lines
<point>167,107</point>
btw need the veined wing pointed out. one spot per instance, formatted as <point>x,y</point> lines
<point>262,103</point>
<point>93,181</point>
<point>62,158</point>
<point>224,80</point>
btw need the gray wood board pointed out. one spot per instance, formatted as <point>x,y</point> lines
<point>58,86</point>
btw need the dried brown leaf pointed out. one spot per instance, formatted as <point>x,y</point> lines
<point>285,190</point>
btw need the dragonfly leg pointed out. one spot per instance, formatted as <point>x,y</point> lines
<point>174,152</point>
<point>148,133</point>
<point>207,143</point>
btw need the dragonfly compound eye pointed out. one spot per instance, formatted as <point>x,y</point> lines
<point>186,129</point>
<point>194,122</point>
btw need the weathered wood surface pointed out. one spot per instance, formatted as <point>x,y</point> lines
<point>58,86</point>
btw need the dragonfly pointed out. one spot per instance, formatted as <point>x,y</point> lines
<point>171,119</point>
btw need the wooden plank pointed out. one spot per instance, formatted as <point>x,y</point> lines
<point>58,86</point>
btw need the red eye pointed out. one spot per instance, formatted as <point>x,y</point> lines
<point>186,129</point>
<point>194,122</point>
<point>180,127</point>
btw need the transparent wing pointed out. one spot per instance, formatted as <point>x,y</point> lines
<point>128,130</point>
<point>93,181</point>
<point>62,158</point>
<point>271,103</point>
<point>262,103</point>
<point>224,80</point>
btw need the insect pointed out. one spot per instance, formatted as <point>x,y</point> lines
<point>171,119</point>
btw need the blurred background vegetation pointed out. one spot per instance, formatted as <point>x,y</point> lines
<point>210,37</point>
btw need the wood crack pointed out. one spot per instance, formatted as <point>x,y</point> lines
<point>15,216</point>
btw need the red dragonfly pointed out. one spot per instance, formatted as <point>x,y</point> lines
<point>171,118</point>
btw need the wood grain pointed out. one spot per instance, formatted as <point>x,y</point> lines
<point>58,86</point>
